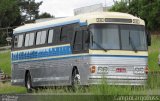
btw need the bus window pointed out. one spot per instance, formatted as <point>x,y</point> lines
<point>15,41</point>
<point>20,41</point>
<point>29,39</point>
<point>38,39</point>
<point>57,31</point>
<point>50,36</point>
<point>77,46</point>
<point>26,40</point>
<point>86,40</point>
<point>67,33</point>
<point>41,37</point>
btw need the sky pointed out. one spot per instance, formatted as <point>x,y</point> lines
<point>64,8</point>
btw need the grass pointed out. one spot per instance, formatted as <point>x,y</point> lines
<point>7,88</point>
<point>154,50</point>
<point>152,87</point>
<point>5,62</point>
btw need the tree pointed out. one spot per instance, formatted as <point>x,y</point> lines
<point>29,9</point>
<point>14,13</point>
<point>45,15</point>
<point>9,11</point>
<point>120,7</point>
<point>147,10</point>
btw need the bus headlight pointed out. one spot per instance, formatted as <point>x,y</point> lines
<point>93,69</point>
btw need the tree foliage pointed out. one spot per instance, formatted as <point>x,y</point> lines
<point>45,15</point>
<point>29,9</point>
<point>16,13</point>
<point>9,11</point>
<point>149,10</point>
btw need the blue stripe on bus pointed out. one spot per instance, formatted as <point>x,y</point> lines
<point>41,53</point>
<point>52,25</point>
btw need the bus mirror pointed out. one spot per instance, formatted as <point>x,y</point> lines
<point>148,38</point>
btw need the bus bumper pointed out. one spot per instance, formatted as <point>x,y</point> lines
<point>118,80</point>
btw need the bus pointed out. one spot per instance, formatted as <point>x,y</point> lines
<point>81,50</point>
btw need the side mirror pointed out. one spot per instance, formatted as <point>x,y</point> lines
<point>148,38</point>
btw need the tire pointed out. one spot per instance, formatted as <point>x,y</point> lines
<point>28,83</point>
<point>75,80</point>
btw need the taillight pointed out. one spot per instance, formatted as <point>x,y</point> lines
<point>146,70</point>
<point>121,70</point>
<point>93,69</point>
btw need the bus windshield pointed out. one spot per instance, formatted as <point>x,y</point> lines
<point>118,37</point>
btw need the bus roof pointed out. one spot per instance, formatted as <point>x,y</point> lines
<point>81,19</point>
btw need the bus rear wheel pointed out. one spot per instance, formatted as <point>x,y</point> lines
<point>75,80</point>
<point>28,83</point>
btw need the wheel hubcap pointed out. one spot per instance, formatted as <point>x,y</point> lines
<point>28,84</point>
<point>77,79</point>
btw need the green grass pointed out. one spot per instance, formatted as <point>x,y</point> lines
<point>152,87</point>
<point>7,88</point>
<point>154,50</point>
<point>5,62</point>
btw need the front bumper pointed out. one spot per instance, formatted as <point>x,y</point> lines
<point>117,80</point>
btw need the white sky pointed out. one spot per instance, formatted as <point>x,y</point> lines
<point>61,8</point>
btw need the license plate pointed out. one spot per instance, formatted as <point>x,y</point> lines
<point>102,70</point>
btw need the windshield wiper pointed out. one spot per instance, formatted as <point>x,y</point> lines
<point>99,45</point>
<point>132,43</point>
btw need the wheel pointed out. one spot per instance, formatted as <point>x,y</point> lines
<point>75,80</point>
<point>28,83</point>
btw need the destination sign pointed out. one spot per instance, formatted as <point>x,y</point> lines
<point>113,20</point>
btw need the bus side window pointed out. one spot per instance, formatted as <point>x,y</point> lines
<point>41,37</point>
<point>26,40</point>
<point>29,39</point>
<point>86,40</point>
<point>20,41</point>
<point>50,36</point>
<point>67,33</point>
<point>77,44</point>
<point>15,41</point>
<point>57,31</point>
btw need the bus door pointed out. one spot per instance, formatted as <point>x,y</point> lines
<point>81,41</point>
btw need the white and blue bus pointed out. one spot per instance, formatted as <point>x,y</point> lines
<point>82,50</point>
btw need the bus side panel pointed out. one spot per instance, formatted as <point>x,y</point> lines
<point>55,72</point>
<point>18,75</point>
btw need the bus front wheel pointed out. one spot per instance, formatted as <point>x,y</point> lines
<point>75,79</point>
